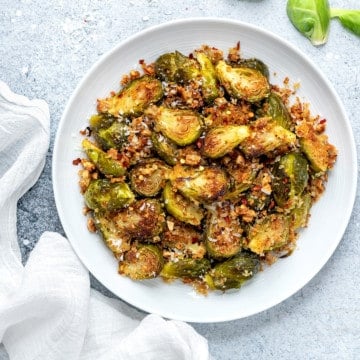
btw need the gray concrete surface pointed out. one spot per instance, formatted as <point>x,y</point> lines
<point>47,47</point>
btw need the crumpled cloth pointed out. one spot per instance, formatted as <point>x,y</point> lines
<point>47,309</point>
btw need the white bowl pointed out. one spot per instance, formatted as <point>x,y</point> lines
<point>329,216</point>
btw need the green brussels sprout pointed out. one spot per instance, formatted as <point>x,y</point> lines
<point>349,18</point>
<point>269,233</point>
<point>301,212</point>
<point>203,184</point>
<point>142,261</point>
<point>181,126</point>
<point>232,273</point>
<point>243,82</point>
<point>209,86</point>
<point>100,121</point>
<point>276,109</point>
<point>166,149</point>
<point>222,234</point>
<point>103,195</point>
<point>148,177</point>
<point>267,138</point>
<point>290,177</point>
<point>179,237</point>
<point>103,162</point>
<point>180,207</point>
<point>143,220</point>
<point>185,268</point>
<point>176,67</point>
<point>134,98</point>
<point>114,238</point>
<point>221,140</point>
<point>113,136</point>
<point>256,64</point>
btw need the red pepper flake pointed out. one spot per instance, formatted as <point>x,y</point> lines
<point>272,204</point>
<point>322,121</point>
<point>141,61</point>
<point>76,161</point>
<point>244,201</point>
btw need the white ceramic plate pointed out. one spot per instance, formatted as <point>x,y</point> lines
<point>329,216</point>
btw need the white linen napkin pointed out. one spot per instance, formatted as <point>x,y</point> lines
<point>47,309</point>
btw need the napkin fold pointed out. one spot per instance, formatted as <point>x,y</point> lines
<point>47,309</point>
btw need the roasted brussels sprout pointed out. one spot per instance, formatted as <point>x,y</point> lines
<point>103,195</point>
<point>209,86</point>
<point>142,261</point>
<point>148,177</point>
<point>267,138</point>
<point>165,148</point>
<point>222,233</point>
<point>185,268</point>
<point>180,207</point>
<point>269,233</point>
<point>176,67</point>
<point>100,121</point>
<point>202,184</point>
<point>181,126</point>
<point>276,109</point>
<point>103,162</point>
<point>243,82</point>
<point>232,273</point>
<point>113,136</point>
<point>114,238</point>
<point>143,220</point>
<point>290,177</point>
<point>256,64</point>
<point>221,140</point>
<point>133,99</point>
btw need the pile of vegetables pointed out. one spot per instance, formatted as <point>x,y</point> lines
<point>197,171</point>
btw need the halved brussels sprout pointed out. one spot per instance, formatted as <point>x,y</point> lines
<point>149,177</point>
<point>209,84</point>
<point>176,67</point>
<point>113,136</point>
<point>117,241</point>
<point>269,233</point>
<point>232,273</point>
<point>301,212</point>
<point>256,64</point>
<point>268,139</point>
<point>222,234</point>
<point>276,109</point>
<point>221,140</point>
<point>185,268</point>
<point>142,261</point>
<point>100,121</point>
<point>243,82</point>
<point>290,177</point>
<point>203,184</point>
<point>134,98</point>
<point>103,195</point>
<point>103,162</point>
<point>181,126</point>
<point>166,149</point>
<point>180,207</point>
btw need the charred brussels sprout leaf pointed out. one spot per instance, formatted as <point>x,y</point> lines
<point>103,162</point>
<point>142,262</point>
<point>166,149</point>
<point>185,268</point>
<point>290,179</point>
<point>255,64</point>
<point>180,207</point>
<point>243,82</point>
<point>223,139</point>
<point>102,195</point>
<point>276,109</point>
<point>203,184</point>
<point>133,99</point>
<point>176,67</point>
<point>232,273</point>
<point>181,126</point>
<point>149,177</point>
<point>209,85</point>
<point>113,136</point>
<point>269,233</point>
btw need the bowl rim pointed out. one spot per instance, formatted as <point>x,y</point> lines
<point>218,21</point>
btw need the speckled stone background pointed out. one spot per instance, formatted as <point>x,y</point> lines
<point>47,47</point>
